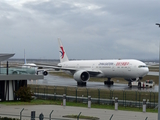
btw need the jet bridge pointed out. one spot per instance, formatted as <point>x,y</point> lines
<point>11,79</point>
<point>11,83</point>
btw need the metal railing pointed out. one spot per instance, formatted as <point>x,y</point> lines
<point>99,96</point>
<point>41,116</point>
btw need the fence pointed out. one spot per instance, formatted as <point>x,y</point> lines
<point>60,114</point>
<point>31,116</point>
<point>99,96</point>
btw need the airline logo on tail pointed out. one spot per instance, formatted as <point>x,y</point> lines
<point>62,52</point>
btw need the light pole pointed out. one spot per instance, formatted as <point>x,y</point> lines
<point>159,83</point>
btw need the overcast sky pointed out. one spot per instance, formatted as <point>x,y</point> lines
<point>89,29</point>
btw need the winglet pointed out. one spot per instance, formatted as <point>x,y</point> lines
<point>63,55</point>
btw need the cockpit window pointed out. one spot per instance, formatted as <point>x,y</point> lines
<point>142,66</point>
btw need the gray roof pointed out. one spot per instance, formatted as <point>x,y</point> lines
<point>5,56</point>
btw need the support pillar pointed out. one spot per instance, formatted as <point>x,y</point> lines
<point>116,103</point>
<point>144,105</point>
<point>89,101</point>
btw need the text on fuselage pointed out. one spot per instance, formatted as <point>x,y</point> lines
<point>106,63</point>
<point>122,63</point>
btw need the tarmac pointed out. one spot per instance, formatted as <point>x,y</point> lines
<point>52,80</point>
<point>60,111</point>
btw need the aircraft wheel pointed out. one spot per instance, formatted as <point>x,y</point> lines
<point>78,84</point>
<point>108,82</point>
<point>84,83</point>
<point>81,84</point>
<point>130,84</point>
<point>112,82</point>
<point>105,82</point>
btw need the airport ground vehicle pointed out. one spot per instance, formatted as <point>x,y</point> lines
<point>147,83</point>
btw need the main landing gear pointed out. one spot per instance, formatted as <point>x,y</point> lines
<point>130,84</point>
<point>81,84</point>
<point>108,82</point>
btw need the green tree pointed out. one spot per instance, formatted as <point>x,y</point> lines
<point>24,93</point>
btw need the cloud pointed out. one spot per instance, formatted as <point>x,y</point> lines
<point>88,29</point>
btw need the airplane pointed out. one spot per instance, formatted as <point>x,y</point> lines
<point>33,66</point>
<point>82,70</point>
<point>17,70</point>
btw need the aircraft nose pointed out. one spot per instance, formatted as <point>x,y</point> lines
<point>146,70</point>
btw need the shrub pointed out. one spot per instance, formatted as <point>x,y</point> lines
<point>24,93</point>
<point>6,118</point>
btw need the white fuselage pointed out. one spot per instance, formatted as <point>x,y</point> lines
<point>110,68</point>
<point>30,65</point>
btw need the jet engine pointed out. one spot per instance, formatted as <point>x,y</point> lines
<point>15,72</point>
<point>81,76</point>
<point>45,73</point>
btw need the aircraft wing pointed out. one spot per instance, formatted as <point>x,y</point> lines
<point>48,67</point>
<point>42,70</point>
<point>72,70</point>
<point>94,72</point>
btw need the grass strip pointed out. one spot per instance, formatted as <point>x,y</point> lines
<point>74,104</point>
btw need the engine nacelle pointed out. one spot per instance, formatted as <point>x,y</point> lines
<point>45,73</point>
<point>81,76</point>
<point>15,72</point>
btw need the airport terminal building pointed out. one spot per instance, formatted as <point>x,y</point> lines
<point>11,79</point>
